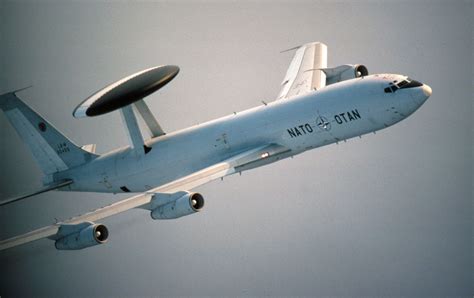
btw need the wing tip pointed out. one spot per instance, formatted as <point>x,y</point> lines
<point>17,90</point>
<point>291,49</point>
<point>304,45</point>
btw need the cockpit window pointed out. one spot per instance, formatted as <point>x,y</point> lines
<point>402,83</point>
<point>408,83</point>
<point>411,83</point>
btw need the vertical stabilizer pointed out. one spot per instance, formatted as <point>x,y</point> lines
<point>52,150</point>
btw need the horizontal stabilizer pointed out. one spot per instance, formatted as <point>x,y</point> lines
<point>46,188</point>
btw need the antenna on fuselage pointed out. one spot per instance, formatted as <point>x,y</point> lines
<point>128,95</point>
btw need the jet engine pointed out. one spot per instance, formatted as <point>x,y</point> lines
<point>81,236</point>
<point>344,72</point>
<point>186,204</point>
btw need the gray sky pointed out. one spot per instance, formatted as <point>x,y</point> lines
<point>388,214</point>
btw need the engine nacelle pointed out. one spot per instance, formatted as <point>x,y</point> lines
<point>81,236</point>
<point>186,204</point>
<point>344,72</point>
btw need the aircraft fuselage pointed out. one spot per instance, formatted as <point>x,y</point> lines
<point>337,112</point>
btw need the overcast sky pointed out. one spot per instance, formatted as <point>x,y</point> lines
<point>388,214</point>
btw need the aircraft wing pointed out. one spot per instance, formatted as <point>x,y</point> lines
<point>304,73</point>
<point>227,167</point>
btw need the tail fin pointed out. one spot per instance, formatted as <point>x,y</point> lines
<point>52,150</point>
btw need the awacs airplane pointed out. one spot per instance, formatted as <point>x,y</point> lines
<point>316,106</point>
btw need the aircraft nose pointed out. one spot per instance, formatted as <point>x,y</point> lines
<point>426,90</point>
<point>421,94</point>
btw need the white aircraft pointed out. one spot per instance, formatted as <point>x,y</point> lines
<point>316,106</point>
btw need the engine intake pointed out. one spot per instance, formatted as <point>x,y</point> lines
<point>344,72</point>
<point>186,204</point>
<point>74,237</point>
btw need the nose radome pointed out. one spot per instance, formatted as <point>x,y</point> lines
<point>426,90</point>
